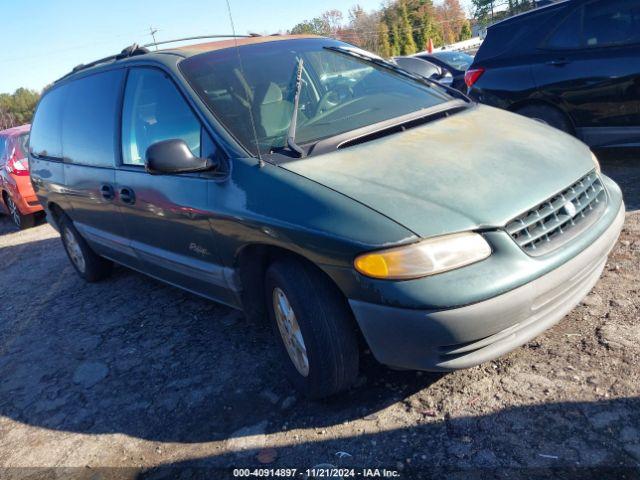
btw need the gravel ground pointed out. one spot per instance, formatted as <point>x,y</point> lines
<point>130,378</point>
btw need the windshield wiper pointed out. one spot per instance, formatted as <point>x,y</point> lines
<point>395,68</point>
<point>291,137</point>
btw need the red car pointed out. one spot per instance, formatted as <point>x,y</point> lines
<point>16,193</point>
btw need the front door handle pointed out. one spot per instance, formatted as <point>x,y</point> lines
<point>107,191</point>
<point>558,62</point>
<point>127,196</point>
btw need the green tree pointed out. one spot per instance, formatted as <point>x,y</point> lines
<point>396,41</point>
<point>407,43</point>
<point>17,108</point>
<point>327,24</point>
<point>431,30</point>
<point>519,6</point>
<point>465,31</point>
<point>384,45</point>
<point>400,27</point>
<point>419,11</point>
<point>484,10</point>
<point>315,26</point>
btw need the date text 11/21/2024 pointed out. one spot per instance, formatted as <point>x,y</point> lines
<point>320,471</point>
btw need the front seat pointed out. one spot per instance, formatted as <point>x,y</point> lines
<point>274,112</point>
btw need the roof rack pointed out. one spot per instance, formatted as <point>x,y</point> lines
<point>135,49</point>
<point>130,51</point>
<point>199,37</point>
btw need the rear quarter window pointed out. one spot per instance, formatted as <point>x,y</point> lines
<point>89,119</point>
<point>46,129</point>
<point>22,143</point>
<point>519,36</point>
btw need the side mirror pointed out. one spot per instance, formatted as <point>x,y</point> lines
<point>446,79</point>
<point>174,156</point>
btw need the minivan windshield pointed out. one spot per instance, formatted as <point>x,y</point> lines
<point>252,89</point>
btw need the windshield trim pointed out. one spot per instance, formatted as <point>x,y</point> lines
<point>338,141</point>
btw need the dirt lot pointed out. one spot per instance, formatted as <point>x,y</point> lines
<point>133,373</point>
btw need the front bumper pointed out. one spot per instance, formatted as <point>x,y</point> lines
<point>445,340</point>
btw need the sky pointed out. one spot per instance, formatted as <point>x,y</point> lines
<point>45,39</point>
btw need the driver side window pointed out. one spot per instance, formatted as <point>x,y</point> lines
<point>154,110</point>
<point>614,22</point>
<point>568,35</point>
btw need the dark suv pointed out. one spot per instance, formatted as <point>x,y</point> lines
<point>574,65</point>
<point>347,200</point>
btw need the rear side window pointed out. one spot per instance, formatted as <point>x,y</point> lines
<point>22,143</point>
<point>89,119</point>
<point>46,140</point>
<point>154,110</point>
<point>614,22</point>
<point>13,146</point>
<point>569,34</point>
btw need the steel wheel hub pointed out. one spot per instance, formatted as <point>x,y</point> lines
<point>75,252</point>
<point>13,210</point>
<point>290,332</point>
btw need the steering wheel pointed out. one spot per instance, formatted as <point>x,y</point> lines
<point>331,98</point>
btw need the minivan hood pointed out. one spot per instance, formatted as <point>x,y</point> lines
<point>479,168</point>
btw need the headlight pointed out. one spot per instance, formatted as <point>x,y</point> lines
<point>596,162</point>
<point>435,255</point>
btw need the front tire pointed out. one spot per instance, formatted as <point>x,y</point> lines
<point>314,327</point>
<point>89,265</point>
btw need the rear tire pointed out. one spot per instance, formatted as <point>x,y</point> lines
<point>19,220</point>
<point>89,265</point>
<point>322,319</point>
<point>547,115</point>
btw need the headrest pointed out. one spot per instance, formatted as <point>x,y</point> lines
<point>273,94</point>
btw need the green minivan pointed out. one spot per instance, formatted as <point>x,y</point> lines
<point>354,204</point>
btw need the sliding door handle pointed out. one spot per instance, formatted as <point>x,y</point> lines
<point>127,196</point>
<point>107,191</point>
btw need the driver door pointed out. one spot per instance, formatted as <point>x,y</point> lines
<point>167,216</point>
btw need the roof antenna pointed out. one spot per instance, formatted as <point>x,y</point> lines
<point>253,123</point>
<point>152,32</point>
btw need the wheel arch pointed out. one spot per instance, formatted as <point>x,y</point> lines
<point>4,208</point>
<point>251,263</point>
<point>532,102</point>
<point>55,212</point>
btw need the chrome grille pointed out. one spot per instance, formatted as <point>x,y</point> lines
<point>560,218</point>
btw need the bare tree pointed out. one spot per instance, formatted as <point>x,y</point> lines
<point>333,20</point>
<point>363,29</point>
